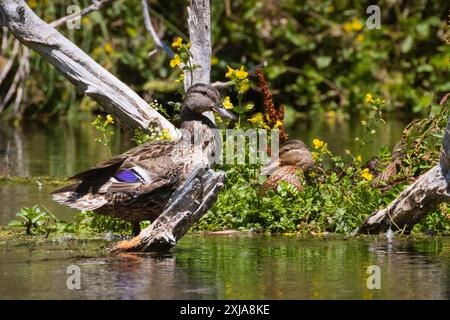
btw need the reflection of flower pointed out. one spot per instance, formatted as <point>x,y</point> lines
<point>177,43</point>
<point>176,61</point>
<point>369,98</point>
<point>227,103</point>
<point>109,119</point>
<point>366,175</point>
<point>318,143</point>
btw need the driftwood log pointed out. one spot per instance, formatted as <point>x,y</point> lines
<point>416,201</point>
<point>191,200</point>
<point>81,70</point>
<point>186,206</point>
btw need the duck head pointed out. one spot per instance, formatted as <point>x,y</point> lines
<point>292,153</point>
<point>202,98</point>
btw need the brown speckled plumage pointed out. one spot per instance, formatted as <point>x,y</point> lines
<point>137,184</point>
<point>294,159</point>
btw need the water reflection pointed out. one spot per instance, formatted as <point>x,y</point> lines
<point>65,148</point>
<point>233,268</point>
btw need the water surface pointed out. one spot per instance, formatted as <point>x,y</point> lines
<point>210,267</point>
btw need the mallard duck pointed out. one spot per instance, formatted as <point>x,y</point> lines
<point>136,185</point>
<point>294,157</point>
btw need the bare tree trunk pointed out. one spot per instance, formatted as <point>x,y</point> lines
<point>418,200</point>
<point>88,76</point>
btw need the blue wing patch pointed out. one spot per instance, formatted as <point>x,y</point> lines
<point>128,176</point>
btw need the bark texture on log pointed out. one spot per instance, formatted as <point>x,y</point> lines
<point>199,21</point>
<point>88,76</point>
<point>418,200</point>
<point>186,206</point>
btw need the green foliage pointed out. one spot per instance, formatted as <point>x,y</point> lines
<point>338,194</point>
<point>35,220</point>
<point>319,54</point>
<point>106,132</point>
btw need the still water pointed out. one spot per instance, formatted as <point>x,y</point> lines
<point>200,267</point>
<point>237,267</point>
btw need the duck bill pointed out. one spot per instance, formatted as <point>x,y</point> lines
<point>224,113</point>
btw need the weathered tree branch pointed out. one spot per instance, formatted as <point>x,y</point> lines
<point>199,21</point>
<point>87,75</point>
<point>418,200</point>
<point>151,30</point>
<point>96,5</point>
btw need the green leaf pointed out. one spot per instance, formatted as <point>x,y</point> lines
<point>322,61</point>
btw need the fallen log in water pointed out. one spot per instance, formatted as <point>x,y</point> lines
<point>186,206</point>
<point>416,201</point>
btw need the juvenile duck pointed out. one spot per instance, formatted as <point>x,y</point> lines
<point>294,157</point>
<point>137,184</point>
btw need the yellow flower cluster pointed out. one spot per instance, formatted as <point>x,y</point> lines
<point>318,143</point>
<point>176,61</point>
<point>366,174</point>
<point>182,56</point>
<point>354,25</point>
<point>240,77</point>
<point>109,119</point>
<point>227,103</point>
<point>258,119</point>
<point>368,98</point>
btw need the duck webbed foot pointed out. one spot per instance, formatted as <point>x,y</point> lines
<point>136,228</point>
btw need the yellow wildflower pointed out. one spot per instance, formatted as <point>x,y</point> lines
<point>108,48</point>
<point>109,119</point>
<point>214,60</point>
<point>356,25</point>
<point>366,175</point>
<point>278,124</point>
<point>369,98</point>
<point>177,43</point>
<point>315,155</point>
<point>347,26</point>
<point>257,118</point>
<point>85,20</point>
<point>360,38</point>
<point>32,4</point>
<point>318,143</point>
<point>227,103</point>
<point>241,73</point>
<point>176,61</point>
<point>245,85</point>
<point>180,78</point>
<point>230,72</point>
<point>359,158</point>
